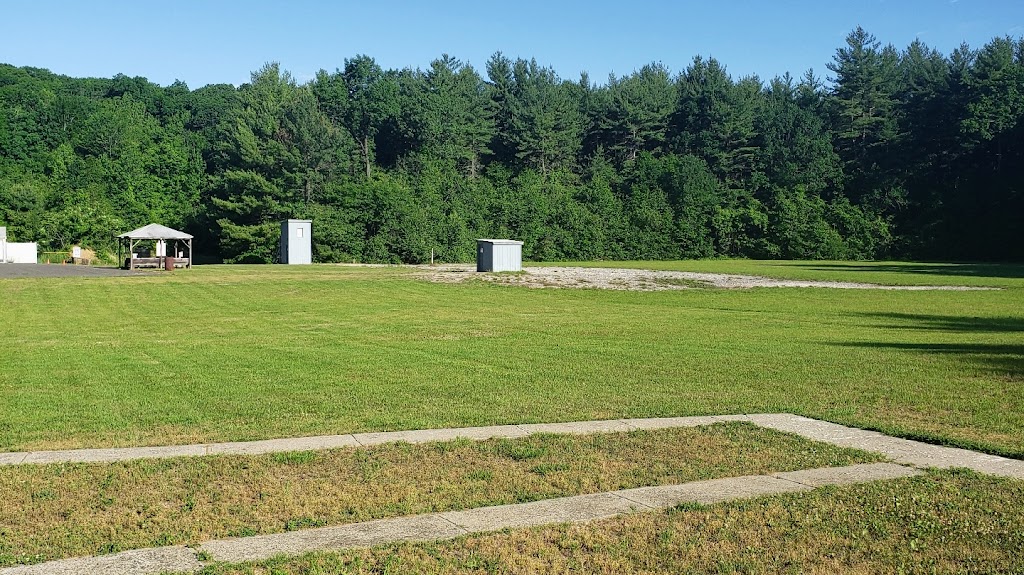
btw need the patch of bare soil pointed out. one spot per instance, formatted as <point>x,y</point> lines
<point>644,280</point>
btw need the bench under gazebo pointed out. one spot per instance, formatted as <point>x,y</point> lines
<point>161,237</point>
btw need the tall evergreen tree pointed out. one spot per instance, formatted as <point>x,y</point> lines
<point>714,118</point>
<point>864,107</point>
<point>539,120</point>
<point>636,112</point>
<point>276,150</point>
<point>458,124</point>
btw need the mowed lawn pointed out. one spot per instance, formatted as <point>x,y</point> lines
<point>247,352</point>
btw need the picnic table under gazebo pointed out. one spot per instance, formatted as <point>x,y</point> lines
<point>163,238</point>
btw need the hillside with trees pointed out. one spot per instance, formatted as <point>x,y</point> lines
<point>890,154</point>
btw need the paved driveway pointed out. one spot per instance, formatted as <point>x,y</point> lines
<point>10,271</point>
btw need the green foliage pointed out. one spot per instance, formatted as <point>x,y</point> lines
<point>800,229</point>
<point>865,111</point>
<point>542,125</point>
<point>457,125</point>
<point>278,157</point>
<point>905,154</point>
<point>636,112</point>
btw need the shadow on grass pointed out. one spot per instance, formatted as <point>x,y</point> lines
<point>1004,360</point>
<point>1010,271</point>
<point>1001,362</point>
<point>951,323</point>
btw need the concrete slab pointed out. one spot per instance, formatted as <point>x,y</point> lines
<point>429,435</point>
<point>670,422</point>
<point>1001,466</point>
<point>914,452</point>
<point>569,509</point>
<point>926,455</point>
<point>368,534</point>
<point>903,451</point>
<point>577,427</point>
<point>563,510</point>
<point>109,455</point>
<point>711,491</point>
<point>12,458</point>
<point>848,475</point>
<point>812,428</point>
<point>735,417</point>
<point>899,450</point>
<point>138,562</point>
<point>281,445</point>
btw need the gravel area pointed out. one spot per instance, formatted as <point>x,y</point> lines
<point>12,271</point>
<point>645,280</point>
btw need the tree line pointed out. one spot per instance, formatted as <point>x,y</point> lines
<point>895,153</point>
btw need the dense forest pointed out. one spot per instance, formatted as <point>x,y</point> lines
<point>891,154</point>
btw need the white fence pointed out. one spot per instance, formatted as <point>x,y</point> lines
<point>18,253</point>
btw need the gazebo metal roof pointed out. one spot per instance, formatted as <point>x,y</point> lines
<point>155,232</point>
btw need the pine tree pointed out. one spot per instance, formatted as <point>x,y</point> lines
<point>458,125</point>
<point>636,112</point>
<point>864,110</point>
<point>277,155</point>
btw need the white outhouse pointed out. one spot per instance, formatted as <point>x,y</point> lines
<point>297,242</point>
<point>499,256</point>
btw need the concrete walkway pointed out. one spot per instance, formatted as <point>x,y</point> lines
<point>452,524</point>
<point>903,451</point>
<point>905,454</point>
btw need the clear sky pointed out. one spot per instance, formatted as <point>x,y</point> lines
<point>210,41</point>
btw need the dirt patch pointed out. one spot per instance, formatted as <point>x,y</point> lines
<point>646,280</point>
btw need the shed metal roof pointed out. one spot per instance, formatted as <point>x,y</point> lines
<point>155,232</point>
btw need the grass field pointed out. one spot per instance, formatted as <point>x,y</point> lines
<point>252,352</point>
<point>56,511</point>
<point>247,352</point>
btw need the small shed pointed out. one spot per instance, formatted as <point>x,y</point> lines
<point>162,237</point>
<point>499,256</point>
<point>297,242</point>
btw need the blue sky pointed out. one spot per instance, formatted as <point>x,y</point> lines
<point>203,42</point>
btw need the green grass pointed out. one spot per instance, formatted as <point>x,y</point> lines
<point>246,352</point>
<point>56,511</point>
<point>943,522</point>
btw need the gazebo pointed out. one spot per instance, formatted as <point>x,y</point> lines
<point>161,236</point>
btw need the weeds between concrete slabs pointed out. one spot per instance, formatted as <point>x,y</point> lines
<point>572,509</point>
